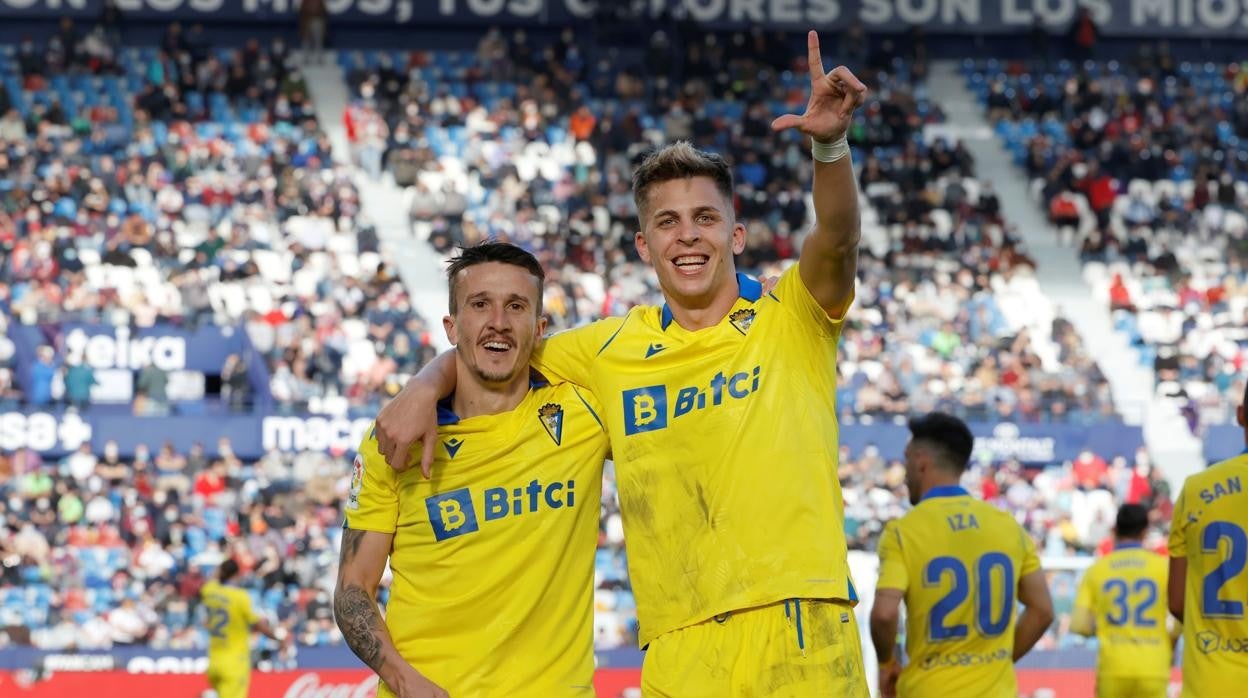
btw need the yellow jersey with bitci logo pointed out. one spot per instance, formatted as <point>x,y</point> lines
<point>725,445</point>
<point>493,558</point>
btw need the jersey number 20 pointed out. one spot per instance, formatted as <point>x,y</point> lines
<point>1231,567</point>
<point>990,620</point>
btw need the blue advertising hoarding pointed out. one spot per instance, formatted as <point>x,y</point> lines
<point>1174,18</point>
<point>252,435</point>
<point>1223,441</point>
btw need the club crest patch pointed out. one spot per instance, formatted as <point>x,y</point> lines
<point>742,319</point>
<point>551,415</point>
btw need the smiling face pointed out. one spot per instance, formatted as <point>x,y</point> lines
<point>689,235</point>
<point>496,323</point>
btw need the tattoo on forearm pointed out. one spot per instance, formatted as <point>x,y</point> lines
<point>351,541</point>
<point>359,620</point>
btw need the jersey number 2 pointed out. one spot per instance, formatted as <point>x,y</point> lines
<point>216,622</point>
<point>989,620</point>
<point>1232,565</point>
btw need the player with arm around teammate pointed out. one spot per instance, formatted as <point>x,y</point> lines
<point>740,572</point>
<point>1208,588</point>
<point>959,564</point>
<point>493,558</point>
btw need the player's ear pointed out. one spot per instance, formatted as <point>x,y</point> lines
<point>452,332</point>
<point>643,249</point>
<point>738,237</point>
<point>540,330</point>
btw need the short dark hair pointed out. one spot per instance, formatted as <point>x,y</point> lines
<point>1132,521</point>
<point>493,251</point>
<point>680,160</point>
<point>948,435</point>
<point>228,569</point>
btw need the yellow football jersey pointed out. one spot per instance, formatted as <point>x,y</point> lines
<point>493,559</point>
<point>1210,520</point>
<point>725,445</point>
<point>1123,595</point>
<point>958,562</point>
<point>228,617</point>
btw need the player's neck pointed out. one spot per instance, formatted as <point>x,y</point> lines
<point>694,316</point>
<point>474,398</point>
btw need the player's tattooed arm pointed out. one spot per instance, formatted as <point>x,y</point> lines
<point>357,616</point>
<point>360,566</point>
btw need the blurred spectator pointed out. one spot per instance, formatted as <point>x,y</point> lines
<point>313,25</point>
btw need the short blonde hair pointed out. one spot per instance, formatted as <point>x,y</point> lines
<point>680,160</point>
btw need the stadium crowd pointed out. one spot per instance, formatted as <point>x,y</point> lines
<point>1147,162</point>
<point>186,185</point>
<point>211,195</point>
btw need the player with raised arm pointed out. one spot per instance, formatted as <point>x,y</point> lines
<point>229,619</point>
<point>720,408</point>
<point>959,564</point>
<point>493,559</point>
<point>1208,587</point>
<point>1120,602</point>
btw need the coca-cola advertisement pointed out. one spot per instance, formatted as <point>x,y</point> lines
<point>321,683</point>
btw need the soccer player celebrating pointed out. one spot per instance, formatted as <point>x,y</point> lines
<point>1119,601</point>
<point>720,409</point>
<point>959,563</point>
<point>493,559</point>
<point>1208,581</point>
<point>229,618</point>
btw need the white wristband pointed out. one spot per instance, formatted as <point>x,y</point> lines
<point>829,152</point>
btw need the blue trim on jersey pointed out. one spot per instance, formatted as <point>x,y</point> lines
<point>946,491</point>
<point>853,593</point>
<point>591,410</point>
<point>446,415</point>
<point>747,288</point>
<point>1128,545</point>
<point>801,641</point>
<point>617,332</point>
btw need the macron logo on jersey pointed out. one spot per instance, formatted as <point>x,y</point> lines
<point>653,349</point>
<point>452,446</point>
<point>646,409</point>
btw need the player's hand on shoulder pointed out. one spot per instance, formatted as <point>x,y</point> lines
<point>769,283</point>
<point>833,98</point>
<point>414,685</point>
<point>409,419</point>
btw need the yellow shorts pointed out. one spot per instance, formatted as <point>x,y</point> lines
<point>793,648</point>
<point>231,684</point>
<point>1131,687</point>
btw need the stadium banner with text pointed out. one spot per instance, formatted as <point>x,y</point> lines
<point>1176,18</point>
<point>1032,444</point>
<point>1223,441</point>
<point>110,347</point>
<point>252,435</point>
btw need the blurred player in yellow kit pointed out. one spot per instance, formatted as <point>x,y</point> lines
<point>1121,601</point>
<point>493,558</point>
<point>720,408</point>
<point>959,563</point>
<point>229,619</point>
<point>1209,575</point>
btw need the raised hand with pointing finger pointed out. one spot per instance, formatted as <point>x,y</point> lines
<point>833,98</point>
